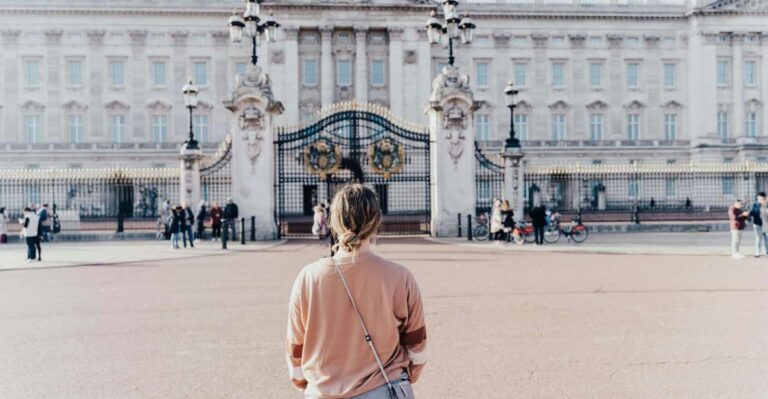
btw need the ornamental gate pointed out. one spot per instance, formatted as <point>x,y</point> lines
<point>351,143</point>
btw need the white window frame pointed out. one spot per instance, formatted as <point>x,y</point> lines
<point>521,126</point>
<point>75,124</point>
<point>339,81</point>
<point>70,75</point>
<point>670,127</point>
<point>670,75</point>
<point>723,73</point>
<point>633,75</point>
<point>558,66</point>
<point>383,73</point>
<point>201,78</point>
<point>633,126</point>
<point>521,68</point>
<point>159,136</point>
<point>154,73</point>
<point>723,124</point>
<point>38,72</point>
<point>751,82</point>
<point>596,123</point>
<point>595,74</point>
<point>487,76</point>
<point>483,127</point>
<point>117,131</point>
<point>201,124</point>
<point>559,126</point>
<point>32,136</point>
<point>304,72</point>
<point>751,124</point>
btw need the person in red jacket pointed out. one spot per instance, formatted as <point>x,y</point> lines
<point>216,213</point>
<point>738,220</point>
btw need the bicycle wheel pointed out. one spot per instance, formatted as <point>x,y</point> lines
<point>530,236</point>
<point>480,232</point>
<point>551,234</point>
<point>518,237</point>
<point>579,234</point>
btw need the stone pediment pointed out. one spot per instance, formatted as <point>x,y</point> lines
<point>672,104</point>
<point>746,6</point>
<point>559,105</point>
<point>74,106</point>
<point>159,106</point>
<point>597,105</point>
<point>32,106</point>
<point>114,106</point>
<point>635,104</point>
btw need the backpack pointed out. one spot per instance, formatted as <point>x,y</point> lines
<point>56,224</point>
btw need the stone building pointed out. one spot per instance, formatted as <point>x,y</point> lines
<point>96,83</point>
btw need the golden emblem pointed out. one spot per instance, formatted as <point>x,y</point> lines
<point>386,157</point>
<point>323,158</point>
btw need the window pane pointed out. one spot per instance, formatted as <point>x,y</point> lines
<point>749,73</point>
<point>310,72</point>
<point>116,72</point>
<point>557,74</point>
<point>482,74</point>
<point>240,68</point>
<point>669,75</point>
<point>595,70</point>
<point>75,78</point>
<point>670,126</point>
<point>75,127</point>
<point>32,128</point>
<point>483,127</point>
<point>117,127</point>
<point>377,73</point>
<point>32,72</point>
<point>596,127</point>
<point>722,73</point>
<point>633,126</point>
<point>160,128</point>
<point>632,75</point>
<point>558,127</point>
<point>158,73</point>
<point>520,74</point>
<point>722,124</point>
<point>201,127</point>
<point>521,127</point>
<point>201,73</point>
<point>344,72</point>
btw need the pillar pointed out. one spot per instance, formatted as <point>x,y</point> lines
<point>514,180</point>
<point>292,76</point>
<point>361,65</point>
<point>96,80</point>
<point>396,70</point>
<point>450,112</point>
<point>738,86</point>
<point>189,188</point>
<point>253,109</point>
<point>54,126</point>
<point>327,81</point>
<point>11,123</point>
<point>136,76</point>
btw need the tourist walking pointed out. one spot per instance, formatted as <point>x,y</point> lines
<point>30,225</point>
<point>539,221</point>
<point>45,223</point>
<point>189,224</point>
<point>202,215</point>
<point>216,215</point>
<point>755,216</point>
<point>737,218</point>
<point>373,343</point>
<point>495,228</point>
<point>319,222</point>
<point>3,226</point>
<point>507,220</point>
<point>174,227</point>
<point>166,216</point>
<point>230,216</point>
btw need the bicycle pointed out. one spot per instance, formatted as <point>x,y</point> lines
<point>523,233</point>
<point>576,230</point>
<point>481,232</point>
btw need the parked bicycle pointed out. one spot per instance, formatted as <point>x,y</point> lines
<point>481,231</point>
<point>523,233</point>
<point>576,231</point>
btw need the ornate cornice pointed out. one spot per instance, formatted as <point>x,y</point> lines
<point>614,41</point>
<point>577,40</point>
<point>500,39</point>
<point>220,37</point>
<point>539,39</point>
<point>53,36</point>
<point>179,37</point>
<point>11,36</point>
<point>652,41</point>
<point>95,37</point>
<point>395,33</point>
<point>138,37</point>
<point>290,33</point>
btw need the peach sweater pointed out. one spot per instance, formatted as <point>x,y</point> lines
<point>328,356</point>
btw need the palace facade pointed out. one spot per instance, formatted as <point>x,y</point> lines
<point>97,83</point>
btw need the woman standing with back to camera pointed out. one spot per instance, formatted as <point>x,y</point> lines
<point>356,321</point>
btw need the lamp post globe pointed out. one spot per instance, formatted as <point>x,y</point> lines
<point>251,25</point>
<point>190,92</point>
<point>510,94</point>
<point>452,25</point>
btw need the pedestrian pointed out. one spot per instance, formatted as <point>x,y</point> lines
<point>755,216</point>
<point>737,218</point>
<point>174,227</point>
<point>45,223</point>
<point>507,220</point>
<point>189,224</point>
<point>495,228</point>
<point>539,221</point>
<point>216,214</point>
<point>165,217</point>
<point>230,216</point>
<point>30,226</point>
<point>3,226</point>
<point>319,222</point>
<point>202,215</point>
<point>373,342</point>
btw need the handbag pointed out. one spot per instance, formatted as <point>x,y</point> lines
<point>393,393</point>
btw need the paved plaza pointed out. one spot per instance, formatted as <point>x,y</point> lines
<point>502,324</point>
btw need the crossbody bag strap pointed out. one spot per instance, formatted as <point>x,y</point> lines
<point>368,338</point>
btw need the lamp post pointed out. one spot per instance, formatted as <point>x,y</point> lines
<point>190,92</point>
<point>510,94</point>
<point>453,26</point>
<point>248,25</point>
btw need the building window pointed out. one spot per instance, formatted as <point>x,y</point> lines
<point>558,78</point>
<point>596,127</point>
<point>520,74</point>
<point>521,126</point>
<point>633,126</point>
<point>669,75</point>
<point>483,127</point>
<point>557,40</point>
<point>722,125</point>
<point>200,73</point>
<point>728,185</point>
<point>160,128</point>
<point>75,128</point>
<point>558,127</point>
<point>344,72</point>
<point>750,77</point>
<point>33,128</point>
<point>378,77</point>
<point>240,68</point>
<point>595,40</point>
<point>751,124</point>
<point>158,73</point>
<point>668,42</point>
<point>75,73</point>
<point>633,75</point>
<point>482,74</point>
<point>310,73</point>
<point>595,74</point>
<point>117,73</point>
<point>32,72</point>
<point>723,77</point>
<point>632,41</point>
<point>201,127</point>
<point>117,128</point>
<point>670,127</point>
<point>670,188</point>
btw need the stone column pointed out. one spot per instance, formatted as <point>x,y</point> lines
<point>615,87</point>
<point>253,176</point>
<point>137,75</point>
<point>580,79</point>
<point>361,64</point>
<point>514,180</point>
<point>538,86</point>
<point>96,81</point>
<point>702,88</point>
<point>54,125</point>
<point>189,189</point>
<point>738,86</point>
<point>651,75</point>
<point>220,79</point>
<point>453,163</point>
<point>327,79</point>
<point>292,76</point>
<point>11,124</point>
<point>425,70</point>
<point>180,76</point>
<point>396,70</point>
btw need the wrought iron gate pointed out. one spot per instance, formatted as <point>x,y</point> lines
<point>353,143</point>
<point>489,181</point>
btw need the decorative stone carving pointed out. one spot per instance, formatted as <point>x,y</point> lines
<point>53,36</point>
<point>74,106</point>
<point>614,41</point>
<point>32,106</point>
<point>220,37</point>
<point>597,105</point>
<point>671,105</point>
<point>11,36</point>
<point>539,39</point>
<point>454,123</point>
<point>159,106</point>
<point>634,105</point>
<point>95,37</point>
<point>395,33</point>
<point>559,105</point>
<point>738,5</point>
<point>577,40</point>
<point>386,157</point>
<point>251,121</point>
<point>138,37</point>
<point>450,80</point>
<point>116,106</point>
<point>652,41</point>
<point>277,57</point>
<point>501,39</point>
<point>256,78</point>
<point>411,57</point>
<point>179,37</point>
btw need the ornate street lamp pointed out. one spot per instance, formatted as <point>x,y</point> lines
<point>190,92</point>
<point>510,94</point>
<point>248,25</point>
<point>453,25</point>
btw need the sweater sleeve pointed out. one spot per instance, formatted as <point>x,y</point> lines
<point>295,336</point>
<point>414,335</point>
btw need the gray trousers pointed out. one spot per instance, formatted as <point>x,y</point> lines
<point>401,385</point>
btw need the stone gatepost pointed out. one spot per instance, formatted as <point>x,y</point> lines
<point>253,176</point>
<point>189,187</point>
<point>453,162</point>
<point>514,180</point>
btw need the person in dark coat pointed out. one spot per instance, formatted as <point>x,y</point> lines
<point>174,227</point>
<point>507,220</point>
<point>539,221</point>
<point>189,223</point>
<point>216,215</point>
<point>202,214</point>
<point>231,214</point>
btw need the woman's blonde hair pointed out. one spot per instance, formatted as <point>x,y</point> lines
<point>355,216</point>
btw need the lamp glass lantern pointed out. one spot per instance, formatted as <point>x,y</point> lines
<point>467,27</point>
<point>511,93</point>
<point>434,29</point>
<point>270,27</point>
<point>236,25</point>
<point>190,92</point>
